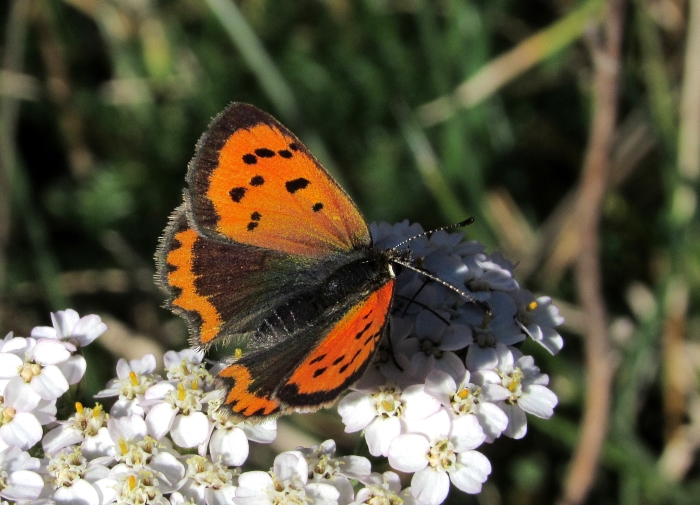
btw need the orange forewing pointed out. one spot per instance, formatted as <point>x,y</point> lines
<point>346,349</point>
<point>253,181</point>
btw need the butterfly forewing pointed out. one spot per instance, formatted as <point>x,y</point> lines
<point>254,182</point>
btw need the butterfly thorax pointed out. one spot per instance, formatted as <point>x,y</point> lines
<point>343,286</point>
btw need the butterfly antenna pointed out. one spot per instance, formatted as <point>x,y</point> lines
<point>466,222</point>
<point>432,277</point>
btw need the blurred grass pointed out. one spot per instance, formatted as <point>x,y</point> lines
<point>428,111</point>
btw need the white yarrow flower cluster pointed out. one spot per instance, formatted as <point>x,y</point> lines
<point>449,380</point>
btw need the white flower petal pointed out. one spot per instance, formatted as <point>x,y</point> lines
<point>49,352</point>
<point>106,490</point>
<point>13,459</point>
<point>321,494</point>
<point>254,483</point>
<point>10,365</point>
<point>128,428</point>
<point>470,472</point>
<point>191,430</point>
<point>492,420</point>
<point>263,433</point>
<point>355,467</point>
<point>409,452</point>
<point>23,431</point>
<point>170,469</point>
<point>440,385</point>
<point>466,433</point>
<point>357,411</point>
<point>60,437</point>
<point>417,403</point>
<point>45,412</point>
<point>158,391</point>
<point>517,421</point>
<point>435,426</point>
<point>73,369</point>
<point>50,383</point>
<point>223,496</point>
<point>229,447</point>
<point>95,472</point>
<point>23,485</point>
<point>380,433</point>
<point>291,465</point>
<point>160,419</point>
<point>538,401</point>
<point>87,329</point>
<point>430,487</point>
<point>481,357</point>
<point>20,396</point>
<point>64,321</point>
<point>97,445</point>
<point>79,493</point>
<point>43,332</point>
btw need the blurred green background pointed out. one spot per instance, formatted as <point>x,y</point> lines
<point>568,129</point>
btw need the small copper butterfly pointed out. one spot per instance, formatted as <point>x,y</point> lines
<point>268,249</point>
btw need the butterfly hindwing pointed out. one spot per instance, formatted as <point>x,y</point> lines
<point>313,367</point>
<point>252,181</point>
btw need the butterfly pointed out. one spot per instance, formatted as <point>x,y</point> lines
<point>268,249</point>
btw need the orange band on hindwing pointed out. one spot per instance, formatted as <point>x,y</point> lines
<point>239,399</point>
<point>346,350</point>
<point>181,277</point>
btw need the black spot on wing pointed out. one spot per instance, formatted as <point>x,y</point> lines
<point>370,338</point>
<point>362,331</point>
<point>296,184</point>
<point>237,194</point>
<point>264,152</point>
<point>338,360</point>
<point>317,206</point>
<point>285,153</point>
<point>252,225</point>
<point>294,147</point>
<point>317,359</point>
<point>250,159</point>
<point>255,216</point>
<point>319,371</point>
<point>257,181</point>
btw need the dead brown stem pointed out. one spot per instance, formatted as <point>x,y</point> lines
<point>594,181</point>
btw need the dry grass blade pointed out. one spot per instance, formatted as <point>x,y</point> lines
<point>503,69</point>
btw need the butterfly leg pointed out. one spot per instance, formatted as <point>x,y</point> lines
<point>391,346</point>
